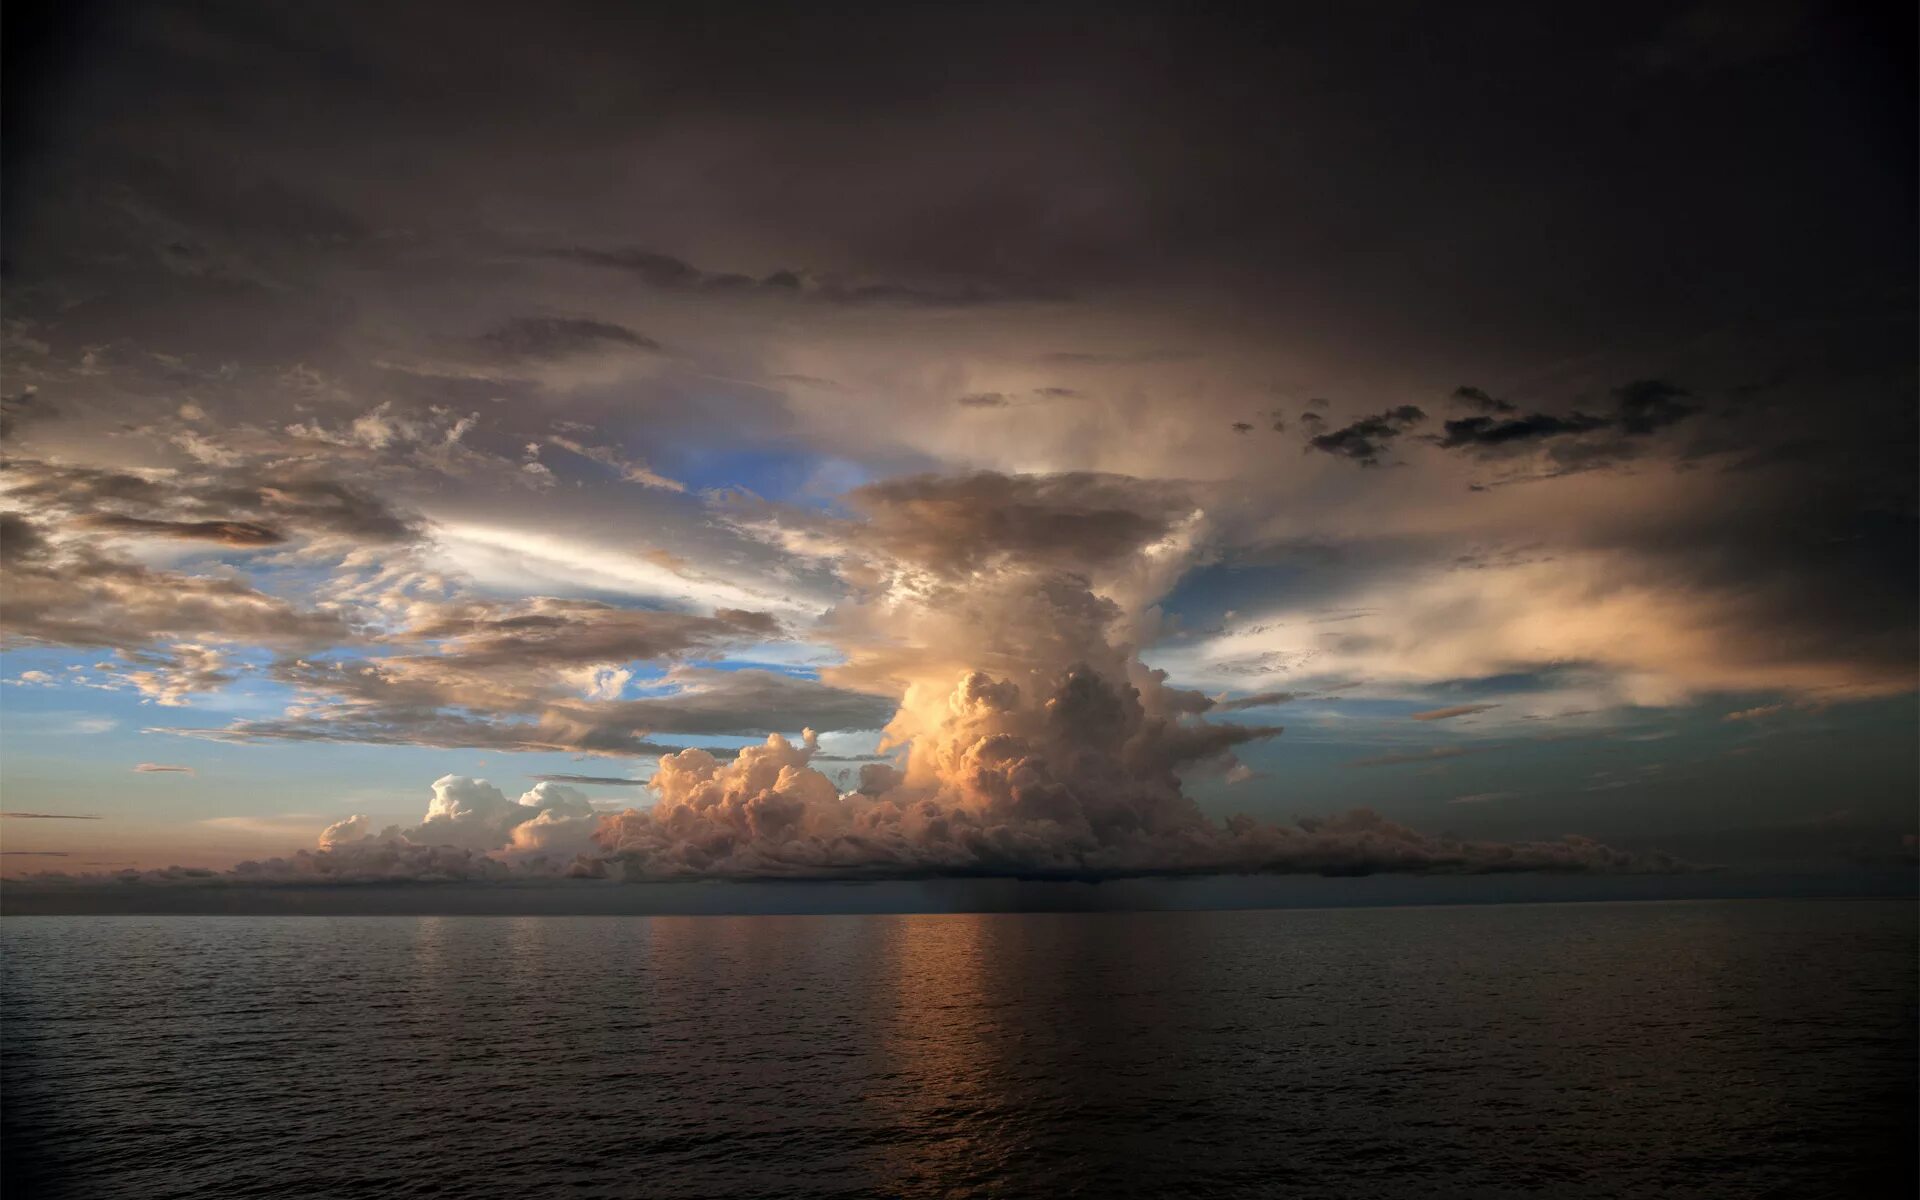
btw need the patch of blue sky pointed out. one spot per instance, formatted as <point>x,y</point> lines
<point>1204,595</point>
<point>1540,677</point>
<point>798,476</point>
<point>850,745</point>
<point>792,476</point>
<point>269,570</point>
<point>616,593</point>
<point>797,670</point>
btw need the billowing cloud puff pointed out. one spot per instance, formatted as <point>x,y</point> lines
<point>475,815</point>
<point>471,817</point>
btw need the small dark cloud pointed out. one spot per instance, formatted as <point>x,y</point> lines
<point>34,816</point>
<point>558,337</point>
<point>983,400</point>
<point>1260,700</point>
<point>1367,439</point>
<point>227,533</point>
<point>147,768</point>
<point>36,853</point>
<point>1640,408</point>
<point>1457,710</point>
<point>1242,427</point>
<point>1483,432</point>
<point>1057,393</point>
<point>1478,398</point>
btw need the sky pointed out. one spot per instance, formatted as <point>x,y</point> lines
<point>506,442</point>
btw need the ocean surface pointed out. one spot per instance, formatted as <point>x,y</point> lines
<point>1737,1048</point>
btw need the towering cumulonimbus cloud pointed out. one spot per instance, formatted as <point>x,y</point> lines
<point>1031,739</point>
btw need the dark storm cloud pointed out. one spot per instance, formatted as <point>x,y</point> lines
<point>1112,155</point>
<point>557,337</point>
<point>1365,440</point>
<point>1637,409</point>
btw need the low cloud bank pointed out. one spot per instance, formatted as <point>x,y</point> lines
<point>1074,785</point>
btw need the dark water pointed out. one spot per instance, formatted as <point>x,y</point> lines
<point>1723,1049</point>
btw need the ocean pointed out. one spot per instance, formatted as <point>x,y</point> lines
<point>1727,1048</point>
